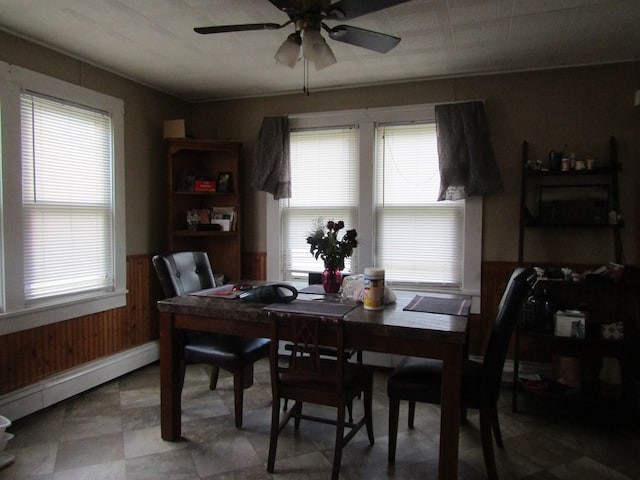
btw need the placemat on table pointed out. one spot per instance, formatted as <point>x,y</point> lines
<point>316,288</point>
<point>313,307</point>
<point>448,306</point>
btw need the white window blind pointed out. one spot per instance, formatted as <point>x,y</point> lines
<point>324,179</point>
<point>418,240</point>
<point>68,208</point>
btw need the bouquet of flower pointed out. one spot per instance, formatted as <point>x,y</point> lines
<point>326,245</point>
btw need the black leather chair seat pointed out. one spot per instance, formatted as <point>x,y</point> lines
<point>181,273</point>
<point>418,379</point>
<point>226,351</point>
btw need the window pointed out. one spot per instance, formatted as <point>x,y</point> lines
<point>62,175</point>
<point>66,198</point>
<point>418,239</point>
<point>324,178</point>
<point>422,244</point>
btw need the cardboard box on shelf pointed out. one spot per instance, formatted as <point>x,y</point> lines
<point>570,323</point>
<point>205,186</point>
<point>225,225</point>
<point>174,129</point>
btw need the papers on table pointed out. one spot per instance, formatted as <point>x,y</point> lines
<point>225,291</point>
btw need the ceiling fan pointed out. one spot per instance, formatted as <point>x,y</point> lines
<point>308,17</point>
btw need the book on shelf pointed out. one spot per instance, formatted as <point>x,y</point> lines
<point>204,218</point>
<point>225,217</point>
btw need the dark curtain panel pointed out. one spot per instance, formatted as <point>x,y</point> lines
<point>271,167</point>
<point>467,163</point>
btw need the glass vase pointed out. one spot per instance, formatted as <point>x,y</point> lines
<point>331,280</point>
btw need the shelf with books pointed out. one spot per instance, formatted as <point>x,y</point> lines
<point>204,201</point>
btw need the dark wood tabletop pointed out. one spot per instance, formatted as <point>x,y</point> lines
<point>391,330</point>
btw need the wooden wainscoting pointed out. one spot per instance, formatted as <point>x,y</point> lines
<point>254,265</point>
<point>31,355</point>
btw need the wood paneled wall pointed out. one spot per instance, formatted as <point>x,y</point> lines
<point>31,355</point>
<point>254,265</point>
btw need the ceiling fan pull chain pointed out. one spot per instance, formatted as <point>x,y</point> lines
<point>305,79</point>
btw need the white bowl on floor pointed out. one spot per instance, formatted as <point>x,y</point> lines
<point>6,436</point>
<point>4,424</point>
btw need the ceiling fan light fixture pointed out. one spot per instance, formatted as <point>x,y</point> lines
<point>289,51</point>
<point>327,59</point>
<point>312,44</point>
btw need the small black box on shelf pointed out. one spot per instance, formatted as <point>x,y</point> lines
<point>574,205</point>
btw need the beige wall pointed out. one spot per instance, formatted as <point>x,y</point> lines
<point>581,107</point>
<point>145,110</point>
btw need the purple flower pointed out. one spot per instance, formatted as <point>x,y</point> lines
<point>326,245</point>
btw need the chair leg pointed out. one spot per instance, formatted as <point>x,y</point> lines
<point>213,381</point>
<point>350,410</point>
<point>486,417</point>
<point>368,412</point>
<point>238,395</point>
<point>297,414</point>
<point>337,453</point>
<point>183,371</point>
<point>496,428</point>
<point>463,415</point>
<point>412,413</point>
<point>247,375</point>
<point>394,413</point>
<point>359,360</point>
<point>273,438</point>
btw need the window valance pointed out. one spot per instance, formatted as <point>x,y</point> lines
<point>467,163</point>
<point>271,165</point>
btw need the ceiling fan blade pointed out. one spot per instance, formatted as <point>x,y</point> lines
<point>237,28</point>
<point>376,41</point>
<point>349,9</point>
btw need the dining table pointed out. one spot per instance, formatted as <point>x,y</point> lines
<point>392,330</point>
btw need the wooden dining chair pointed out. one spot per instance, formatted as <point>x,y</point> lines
<point>181,273</point>
<point>316,279</point>
<point>327,351</point>
<point>419,380</point>
<point>308,376</point>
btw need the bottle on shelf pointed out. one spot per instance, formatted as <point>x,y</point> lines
<point>540,309</point>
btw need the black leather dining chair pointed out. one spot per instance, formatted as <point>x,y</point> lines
<point>181,273</point>
<point>418,380</point>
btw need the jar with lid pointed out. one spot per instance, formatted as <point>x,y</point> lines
<point>539,311</point>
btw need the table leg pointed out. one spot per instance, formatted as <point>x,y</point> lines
<point>170,384</point>
<point>450,413</point>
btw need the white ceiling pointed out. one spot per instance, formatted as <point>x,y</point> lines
<point>152,41</point>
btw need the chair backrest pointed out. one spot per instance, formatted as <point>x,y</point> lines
<point>307,336</point>
<point>509,309</point>
<point>183,272</point>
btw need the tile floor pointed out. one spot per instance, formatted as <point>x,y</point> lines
<point>113,432</point>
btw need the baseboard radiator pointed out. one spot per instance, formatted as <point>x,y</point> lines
<point>54,389</point>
